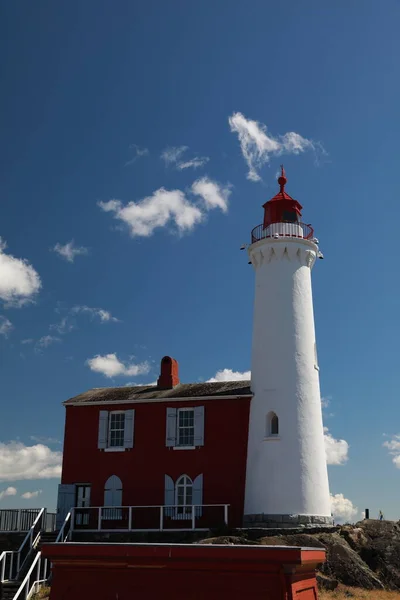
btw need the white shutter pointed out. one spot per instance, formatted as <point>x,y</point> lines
<point>103,427</point>
<point>128,431</point>
<point>198,494</point>
<point>199,426</point>
<point>171,427</point>
<point>169,495</point>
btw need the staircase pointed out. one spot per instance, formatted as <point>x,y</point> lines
<point>10,588</point>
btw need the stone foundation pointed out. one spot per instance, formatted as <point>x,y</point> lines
<point>286,521</point>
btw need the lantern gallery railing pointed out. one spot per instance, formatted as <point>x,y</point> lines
<point>298,230</point>
<point>149,518</point>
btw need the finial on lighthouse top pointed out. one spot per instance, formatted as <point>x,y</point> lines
<point>282,180</point>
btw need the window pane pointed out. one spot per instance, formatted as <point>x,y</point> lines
<point>117,426</point>
<point>185,427</point>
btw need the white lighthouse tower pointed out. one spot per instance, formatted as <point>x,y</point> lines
<point>286,478</point>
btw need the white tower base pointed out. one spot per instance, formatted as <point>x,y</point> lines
<point>286,478</point>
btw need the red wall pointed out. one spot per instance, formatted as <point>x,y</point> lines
<point>222,459</point>
<point>175,572</point>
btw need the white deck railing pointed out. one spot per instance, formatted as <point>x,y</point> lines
<point>149,518</point>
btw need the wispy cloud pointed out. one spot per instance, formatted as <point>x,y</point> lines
<point>46,341</point>
<point>103,315</point>
<point>393,446</point>
<point>137,153</point>
<point>70,251</point>
<point>258,145</point>
<point>27,341</point>
<point>10,491</point>
<point>110,366</point>
<point>5,326</point>
<point>229,375</point>
<point>29,495</point>
<point>337,451</point>
<point>41,439</point>
<point>166,207</point>
<point>18,461</point>
<point>173,156</point>
<point>64,326</point>
<point>194,163</point>
<point>19,282</point>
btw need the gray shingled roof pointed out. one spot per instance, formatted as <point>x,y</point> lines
<point>183,390</point>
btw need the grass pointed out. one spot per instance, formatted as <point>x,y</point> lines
<point>43,594</point>
<point>345,593</point>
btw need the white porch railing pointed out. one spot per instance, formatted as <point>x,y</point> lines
<point>149,518</point>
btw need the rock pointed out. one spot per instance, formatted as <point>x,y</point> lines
<point>345,564</point>
<point>326,583</point>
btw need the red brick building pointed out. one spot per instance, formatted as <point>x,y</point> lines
<point>172,445</point>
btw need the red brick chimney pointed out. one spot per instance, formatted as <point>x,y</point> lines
<point>169,374</point>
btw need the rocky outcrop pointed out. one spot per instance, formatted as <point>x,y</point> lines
<point>365,555</point>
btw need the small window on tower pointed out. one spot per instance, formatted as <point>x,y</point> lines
<point>289,216</point>
<point>272,425</point>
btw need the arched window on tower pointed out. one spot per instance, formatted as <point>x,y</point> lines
<point>272,425</point>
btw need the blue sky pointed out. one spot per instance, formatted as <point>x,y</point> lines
<point>94,93</point>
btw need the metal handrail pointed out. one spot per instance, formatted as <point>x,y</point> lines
<point>3,564</point>
<point>60,537</point>
<point>260,232</point>
<point>32,542</point>
<point>24,587</point>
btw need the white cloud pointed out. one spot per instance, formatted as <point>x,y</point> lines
<point>336,450</point>
<point>214,195</point>
<point>229,375</point>
<point>5,326</point>
<point>47,340</point>
<point>19,282</point>
<point>164,207</point>
<point>104,315</point>
<point>110,366</point>
<point>29,495</point>
<point>18,461</point>
<point>258,145</point>
<point>343,509</point>
<point>173,156</point>
<point>70,251</point>
<point>394,449</point>
<point>27,341</point>
<point>10,491</point>
<point>138,153</point>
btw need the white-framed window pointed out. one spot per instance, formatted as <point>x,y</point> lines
<point>272,425</point>
<point>185,427</point>
<point>116,430</point>
<point>181,495</point>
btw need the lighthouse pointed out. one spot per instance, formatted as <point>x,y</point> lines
<point>286,478</point>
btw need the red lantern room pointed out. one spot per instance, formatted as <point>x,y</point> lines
<point>282,208</point>
<point>282,217</point>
